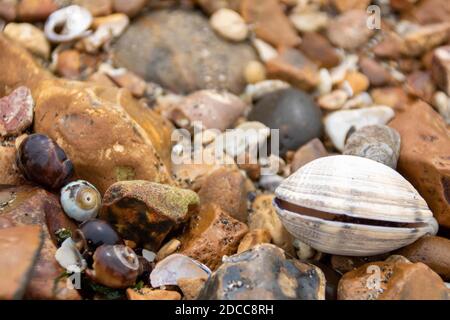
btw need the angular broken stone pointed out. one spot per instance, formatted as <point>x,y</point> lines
<point>212,234</point>
<point>19,251</point>
<point>394,279</point>
<point>263,273</point>
<point>425,156</point>
<point>145,212</point>
<point>171,57</point>
<point>16,112</point>
<point>177,266</point>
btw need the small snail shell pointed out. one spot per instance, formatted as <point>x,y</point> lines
<point>114,266</point>
<point>80,200</point>
<point>74,22</point>
<point>94,233</point>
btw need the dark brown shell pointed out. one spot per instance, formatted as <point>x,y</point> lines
<point>41,160</point>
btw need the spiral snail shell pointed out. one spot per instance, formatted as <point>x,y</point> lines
<point>80,200</point>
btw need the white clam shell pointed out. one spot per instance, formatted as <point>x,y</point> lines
<point>74,20</point>
<point>359,188</point>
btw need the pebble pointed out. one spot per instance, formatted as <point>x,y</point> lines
<point>225,188</point>
<point>269,22</point>
<point>317,48</point>
<point>264,216</point>
<point>313,150</point>
<point>377,74</point>
<point>349,30</point>
<point>212,234</point>
<point>265,51</point>
<point>377,142</point>
<point>255,72</point>
<point>253,238</point>
<point>177,266</point>
<point>8,10</point>
<point>256,91</point>
<point>399,280</point>
<point>145,212</point>
<point>125,79</point>
<point>291,111</point>
<point>339,124</point>
<point>357,81</point>
<point>35,10</point>
<point>129,7</point>
<point>334,100</point>
<point>263,273</point>
<point>9,173</point>
<point>191,287</point>
<point>419,39</point>
<point>442,103</point>
<point>346,5</point>
<point>229,24</point>
<point>394,97</point>
<point>440,68</point>
<point>424,156</point>
<point>293,67</point>
<point>309,21</point>
<point>151,294</point>
<point>96,7</point>
<point>432,251</point>
<point>430,11</point>
<point>167,249</point>
<point>16,112</point>
<point>213,109</point>
<point>29,37</point>
<point>179,62</point>
<point>68,64</point>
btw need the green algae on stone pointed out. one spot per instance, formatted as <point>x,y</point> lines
<point>145,212</point>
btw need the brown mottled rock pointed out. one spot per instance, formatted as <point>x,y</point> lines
<point>429,11</point>
<point>19,250</point>
<point>226,188</point>
<point>432,251</point>
<point>264,216</point>
<point>378,75</point>
<point>253,238</point>
<point>173,58</point>
<point>346,5</point>
<point>264,273</point>
<point>394,97</point>
<point>212,234</point>
<point>344,264</point>
<point>96,7</point>
<point>349,30</point>
<point>16,112</point>
<point>317,48</point>
<point>35,10</point>
<point>419,84</point>
<point>213,109</point>
<point>103,130</point>
<point>68,64</point>
<point>440,68</point>
<point>269,22</point>
<point>191,287</point>
<point>24,206</point>
<point>129,7</point>
<point>425,156</point>
<point>150,294</point>
<point>313,150</point>
<point>293,67</point>
<point>146,212</point>
<point>8,10</point>
<point>9,174</point>
<point>399,280</point>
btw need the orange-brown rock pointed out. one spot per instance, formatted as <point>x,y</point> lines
<point>190,287</point>
<point>149,294</point>
<point>264,216</point>
<point>425,156</point>
<point>212,234</point>
<point>419,84</point>
<point>211,6</point>
<point>9,174</point>
<point>429,11</point>
<point>19,250</point>
<point>378,75</point>
<point>145,212</point>
<point>440,68</point>
<point>394,97</point>
<point>432,251</point>
<point>293,67</point>
<point>344,264</point>
<point>307,153</point>
<point>35,10</point>
<point>104,131</point>
<point>317,48</point>
<point>346,5</point>
<point>226,188</point>
<point>8,10</point>
<point>129,7</point>
<point>24,206</point>
<point>357,81</point>
<point>253,238</point>
<point>96,7</point>
<point>393,279</point>
<point>68,64</point>
<point>129,80</point>
<point>269,22</point>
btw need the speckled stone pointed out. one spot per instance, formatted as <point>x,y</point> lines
<point>294,113</point>
<point>264,273</point>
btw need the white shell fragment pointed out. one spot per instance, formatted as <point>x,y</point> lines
<point>69,257</point>
<point>339,123</point>
<point>74,22</point>
<point>177,266</point>
<point>349,205</point>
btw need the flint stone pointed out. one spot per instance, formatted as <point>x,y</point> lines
<point>173,58</point>
<point>263,273</point>
<point>291,111</point>
<point>377,142</point>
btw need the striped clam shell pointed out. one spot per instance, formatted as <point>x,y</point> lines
<point>370,208</point>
